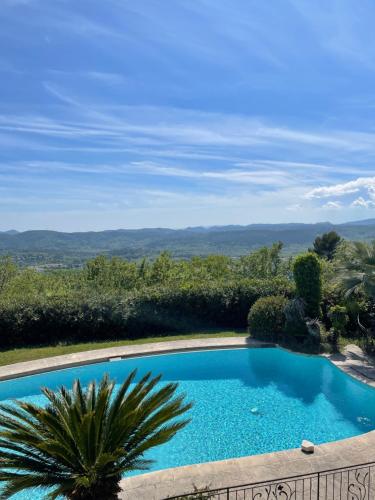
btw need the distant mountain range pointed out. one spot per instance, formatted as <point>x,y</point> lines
<point>11,231</point>
<point>53,247</point>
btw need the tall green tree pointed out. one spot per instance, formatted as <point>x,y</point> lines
<point>83,441</point>
<point>326,245</point>
<point>307,273</point>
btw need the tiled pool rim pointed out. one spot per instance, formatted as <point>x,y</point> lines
<point>170,482</point>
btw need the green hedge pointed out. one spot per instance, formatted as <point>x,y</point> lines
<point>152,310</point>
<point>60,319</point>
<point>217,304</point>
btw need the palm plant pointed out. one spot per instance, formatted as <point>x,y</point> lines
<point>357,278</point>
<point>83,441</point>
<point>358,270</point>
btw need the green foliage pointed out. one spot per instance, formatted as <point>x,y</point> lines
<point>39,320</point>
<point>295,318</point>
<point>307,273</point>
<point>213,304</point>
<point>325,245</point>
<point>8,270</point>
<point>111,298</point>
<point>357,272</point>
<point>266,317</point>
<point>339,319</point>
<point>112,273</point>
<point>264,263</point>
<point>42,321</point>
<point>83,441</point>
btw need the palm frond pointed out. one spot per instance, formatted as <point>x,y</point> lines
<point>84,439</point>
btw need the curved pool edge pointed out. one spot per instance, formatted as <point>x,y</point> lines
<point>245,470</point>
<point>26,368</point>
<point>352,361</point>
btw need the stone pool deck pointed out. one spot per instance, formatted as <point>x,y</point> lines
<point>240,471</point>
<point>180,480</point>
<point>17,370</point>
<point>356,363</point>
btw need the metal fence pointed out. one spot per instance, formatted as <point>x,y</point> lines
<point>350,483</point>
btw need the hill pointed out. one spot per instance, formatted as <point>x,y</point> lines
<point>58,248</point>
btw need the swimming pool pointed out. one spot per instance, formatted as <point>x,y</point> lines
<point>246,401</point>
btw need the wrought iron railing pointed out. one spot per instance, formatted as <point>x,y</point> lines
<point>350,483</point>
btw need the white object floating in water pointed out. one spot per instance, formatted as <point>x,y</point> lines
<point>307,446</point>
<point>255,411</point>
<point>118,358</point>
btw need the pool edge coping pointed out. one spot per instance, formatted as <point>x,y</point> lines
<point>235,472</point>
<point>360,368</point>
<point>82,358</point>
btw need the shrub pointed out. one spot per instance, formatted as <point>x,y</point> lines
<point>295,323</point>
<point>308,278</point>
<point>266,317</point>
<point>339,319</point>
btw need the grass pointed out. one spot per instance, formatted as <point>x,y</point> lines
<point>31,353</point>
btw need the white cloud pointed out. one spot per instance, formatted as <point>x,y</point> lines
<point>332,204</point>
<point>342,189</point>
<point>162,125</point>
<point>362,203</point>
<point>270,178</point>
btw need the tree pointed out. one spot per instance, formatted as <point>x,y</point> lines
<point>161,269</point>
<point>83,441</point>
<point>265,262</point>
<point>307,273</point>
<point>8,270</point>
<point>325,245</point>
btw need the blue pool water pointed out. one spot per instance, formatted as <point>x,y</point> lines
<point>246,401</point>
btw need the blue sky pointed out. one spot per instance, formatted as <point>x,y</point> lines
<point>149,113</point>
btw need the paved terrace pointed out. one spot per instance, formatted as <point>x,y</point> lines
<point>356,363</point>
<point>161,484</point>
<point>180,480</point>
